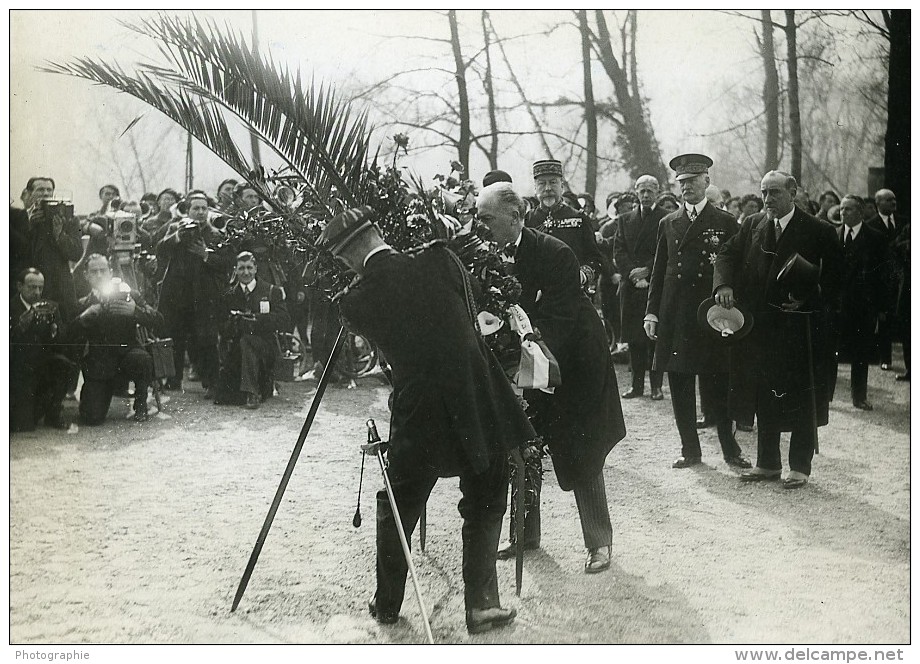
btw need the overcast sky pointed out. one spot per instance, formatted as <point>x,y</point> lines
<point>59,123</point>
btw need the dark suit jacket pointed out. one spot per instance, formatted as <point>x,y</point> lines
<point>20,253</point>
<point>574,229</point>
<point>582,420</point>
<point>109,337</point>
<point>681,280</point>
<point>769,370</point>
<point>634,246</point>
<point>892,273</point>
<point>900,221</point>
<point>266,323</point>
<point>53,256</point>
<point>453,408</point>
<point>35,345</point>
<point>864,291</point>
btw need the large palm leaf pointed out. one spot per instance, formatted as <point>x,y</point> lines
<point>210,73</point>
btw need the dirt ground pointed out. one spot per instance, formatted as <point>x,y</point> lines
<point>139,533</point>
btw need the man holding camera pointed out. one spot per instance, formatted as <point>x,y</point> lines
<point>252,312</point>
<point>107,321</point>
<point>196,267</point>
<point>38,372</point>
<point>54,241</point>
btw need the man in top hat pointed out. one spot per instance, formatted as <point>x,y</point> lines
<point>581,420</point>
<point>564,222</point>
<point>771,374</point>
<point>454,412</point>
<point>634,253</point>
<point>689,239</point>
<point>864,297</point>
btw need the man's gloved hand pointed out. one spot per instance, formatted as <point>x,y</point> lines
<point>587,274</point>
<point>638,273</point>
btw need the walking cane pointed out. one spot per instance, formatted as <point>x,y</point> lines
<point>375,446</point>
<point>811,378</point>
<point>519,506</point>
<point>295,454</point>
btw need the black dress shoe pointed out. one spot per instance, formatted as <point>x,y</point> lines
<point>140,412</point>
<point>510,551</point>
<point>705,423</point>
<point>631,394</point>
<point>483,620</point>
<point>598,560</point>
<point>794,483</point>
<point>738,461</point>
<point>657,394</point>
<point>746,428</point>
<point>759,475</point>
<point>862,405</point>
<point>686,462</point>
<point>383,617</point>
<point>903,378</point>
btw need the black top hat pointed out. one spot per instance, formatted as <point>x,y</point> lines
<point>345,227</point>
<point>690,165</point>
<point>547,167</point>
<point>495,176</point>
<point>729,325</point>
<point>799,277</point>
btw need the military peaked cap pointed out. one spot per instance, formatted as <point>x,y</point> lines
<point>547,167</point>
<point>690,165</point>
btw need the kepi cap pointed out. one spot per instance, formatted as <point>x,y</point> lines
<point>345,227</point>
<point>690,165</point>
<point>547,167</point>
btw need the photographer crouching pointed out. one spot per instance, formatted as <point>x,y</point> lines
<point>38,370</point>
<point>251,313</point>
<point>107,322</point>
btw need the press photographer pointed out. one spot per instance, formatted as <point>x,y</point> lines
<point>252,312</point>
<point>107,322</point>
<point>38,372</point>
<point>196,265</point>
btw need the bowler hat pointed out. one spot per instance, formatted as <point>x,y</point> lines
<point>726,324</point>
<point>690,165</point>
<point>495,176</point>
<point>345,227</point>
<point>799,277</point>
<point>547,167</point>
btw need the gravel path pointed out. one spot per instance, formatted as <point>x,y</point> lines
<point>130,533</point>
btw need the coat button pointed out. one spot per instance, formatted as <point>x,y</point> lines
<point>678,276</point>
<point>700,275</point>
<point>678,265</point>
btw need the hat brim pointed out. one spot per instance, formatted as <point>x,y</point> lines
<point>687,176</point>
<point>703,317</point>
<point>345,239</point>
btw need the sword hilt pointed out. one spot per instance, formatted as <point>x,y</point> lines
<point>374,444</point>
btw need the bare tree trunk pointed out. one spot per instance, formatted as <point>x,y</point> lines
<point>639,146</point>
<point>897,134</point>
<point>490,94</point>
<point>463,144</point>
<point>770,92</point>
<point>792,69</point>
<point>517,84</point>
<point>189,165</point>
<point>590,113</point>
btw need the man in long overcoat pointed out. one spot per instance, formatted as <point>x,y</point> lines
<point>453,414</point>
<point>770,373</point>
<point>634,254</point>
<point>582,420</point>
<point>689,240</point>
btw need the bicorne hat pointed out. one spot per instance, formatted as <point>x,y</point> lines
<point>345,227</point>
<point>729,325</point>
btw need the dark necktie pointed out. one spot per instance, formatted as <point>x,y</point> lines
<point>849,237</point>
<point>778,229</point>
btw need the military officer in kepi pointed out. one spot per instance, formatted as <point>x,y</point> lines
<point>564,222</point>
<point>688,241</point>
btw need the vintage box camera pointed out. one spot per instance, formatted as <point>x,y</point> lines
<point>124,231</point>
<point>52,208</point>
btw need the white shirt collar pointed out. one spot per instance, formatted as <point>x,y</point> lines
<point>784,220</point>
<point>855,230</point>
<point>24,303</point>
<point>376,250</point>
<point>248,288</point>
<point>698,206</point>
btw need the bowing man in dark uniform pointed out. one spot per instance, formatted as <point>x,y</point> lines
<point>106,322</point>
<point>38,370</point>
<point>564,222</point>
<point>251,313</point>
<point>769,370</point>
<point>889,222</point>
<point>634,254</point>
<point>864,296</point>
<point>582,420</point>
<point>688,241</point>
<point>454,412</point>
